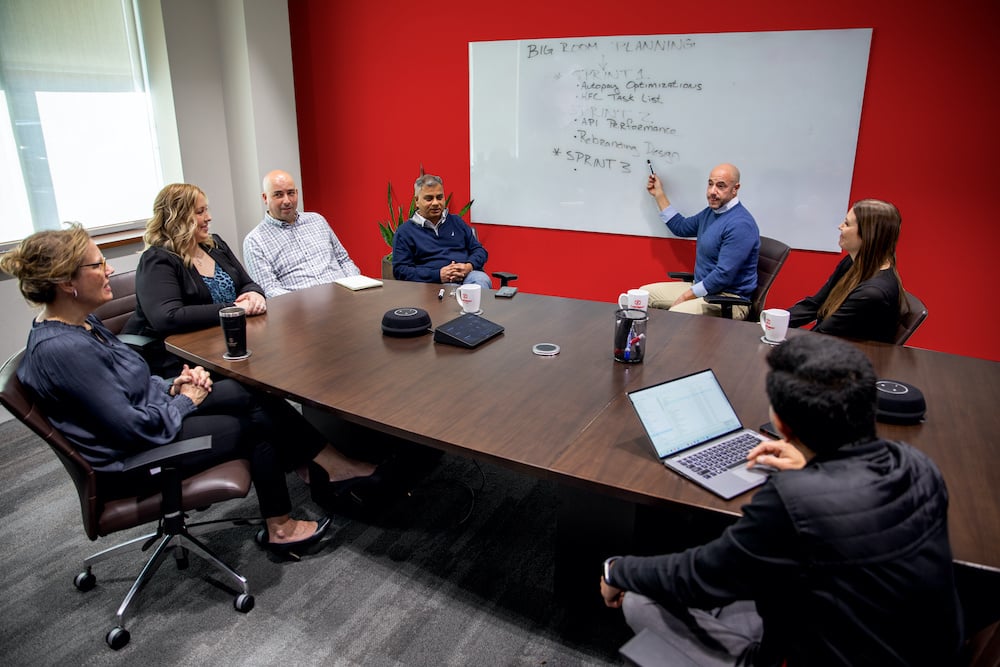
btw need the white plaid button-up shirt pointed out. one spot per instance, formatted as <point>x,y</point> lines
<point>283,257</point>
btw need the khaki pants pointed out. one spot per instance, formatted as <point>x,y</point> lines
<point>663,295</point>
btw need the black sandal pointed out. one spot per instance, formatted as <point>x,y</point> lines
<point>294,548</point>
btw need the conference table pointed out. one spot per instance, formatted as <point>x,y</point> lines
<point>566,417</point>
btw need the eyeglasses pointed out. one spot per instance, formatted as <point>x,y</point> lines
<point>103,264</point>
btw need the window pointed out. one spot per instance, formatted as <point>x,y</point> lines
<point>77,140</point>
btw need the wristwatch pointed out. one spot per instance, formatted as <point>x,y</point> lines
<point>607,570</point>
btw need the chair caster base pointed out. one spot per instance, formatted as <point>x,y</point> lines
<point>243,603</point>
<point>117,637</point>
<point>85,581</point>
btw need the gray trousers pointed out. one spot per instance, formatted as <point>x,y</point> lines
<point>725,636</point>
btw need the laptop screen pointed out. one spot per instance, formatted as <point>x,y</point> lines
<point>687,411</point>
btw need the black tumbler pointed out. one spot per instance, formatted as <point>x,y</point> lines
<point>234,329</point>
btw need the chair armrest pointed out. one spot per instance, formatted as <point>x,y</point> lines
<point>504,277</point>
<point>137,342</point>
<point>167,453</point>
<point>731,300</point>
<point>686,276</point>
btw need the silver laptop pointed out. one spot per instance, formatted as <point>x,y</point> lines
<point>695,431</point>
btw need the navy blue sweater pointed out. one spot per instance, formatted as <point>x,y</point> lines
<point>418,253</point>
<point>727,248</point>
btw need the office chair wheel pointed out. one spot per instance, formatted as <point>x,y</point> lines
<point>84,581</point>
<point>117,637</point>
<point>261,537</point>
<point>243,603</point>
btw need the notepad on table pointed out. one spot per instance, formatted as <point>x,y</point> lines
<point>358,282</point>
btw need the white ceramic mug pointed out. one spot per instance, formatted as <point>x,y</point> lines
<point>774,322</point>
<point>469,297</point>
<point>636,299</point>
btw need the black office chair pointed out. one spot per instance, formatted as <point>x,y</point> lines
<point>770,258</point>
<point>103,515</point>
<point>913,318</point>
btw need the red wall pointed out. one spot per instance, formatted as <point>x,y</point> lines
<point>383,88</point>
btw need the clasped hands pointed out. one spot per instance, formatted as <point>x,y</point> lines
<point>455,272</point>
<point>195,383</point>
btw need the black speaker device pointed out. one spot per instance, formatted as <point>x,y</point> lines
<point>406,321</point>
<point>899,403</point>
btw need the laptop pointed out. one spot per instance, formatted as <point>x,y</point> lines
<point>695,432</point>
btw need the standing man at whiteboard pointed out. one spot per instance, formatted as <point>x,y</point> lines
<point>435,246</point>
<point>728,242</point>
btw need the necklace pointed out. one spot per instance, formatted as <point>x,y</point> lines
<point>201,260</point>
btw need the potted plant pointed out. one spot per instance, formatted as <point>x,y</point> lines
<point>389,226</point>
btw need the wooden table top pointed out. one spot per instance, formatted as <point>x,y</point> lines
<point>567,417</point>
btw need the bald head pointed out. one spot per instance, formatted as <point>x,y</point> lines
<point>281,196</point>
<point>729,170</point>
<point>723,183</point>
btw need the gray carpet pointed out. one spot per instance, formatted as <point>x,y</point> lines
<point>411,586</point>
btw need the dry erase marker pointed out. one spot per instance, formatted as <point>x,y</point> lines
<point>650,164</point>
<point>441,294</point>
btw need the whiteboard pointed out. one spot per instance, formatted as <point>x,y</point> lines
<point>561,129</point>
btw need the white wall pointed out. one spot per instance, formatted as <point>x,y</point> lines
<point>225,68</point>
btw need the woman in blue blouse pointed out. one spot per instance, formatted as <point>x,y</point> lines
<point>99,393</point>
<point>186,274</point>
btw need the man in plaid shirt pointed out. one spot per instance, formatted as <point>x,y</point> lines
<point>289,250</point>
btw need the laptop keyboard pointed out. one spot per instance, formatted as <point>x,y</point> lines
<point>720,457</point>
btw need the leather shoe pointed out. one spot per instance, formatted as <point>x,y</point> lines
<point>354,489</point>
<point>286,548</point>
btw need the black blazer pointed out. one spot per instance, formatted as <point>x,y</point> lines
<point>870,311</point>
<point>172,298</point>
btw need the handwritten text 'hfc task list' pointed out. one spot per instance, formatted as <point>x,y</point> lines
<point>620,115</point>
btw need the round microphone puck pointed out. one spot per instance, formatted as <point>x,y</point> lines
<point>406,321</point>
<point>899,403</point>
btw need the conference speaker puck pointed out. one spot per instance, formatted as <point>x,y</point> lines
<point>406,321</point>
<point>899,403</point>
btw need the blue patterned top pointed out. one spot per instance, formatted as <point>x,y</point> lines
<point>221,286</point>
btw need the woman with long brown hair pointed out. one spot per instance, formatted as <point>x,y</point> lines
<point>864,297</point>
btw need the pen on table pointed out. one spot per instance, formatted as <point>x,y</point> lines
<point>440,294</point>
<point>650,165</point>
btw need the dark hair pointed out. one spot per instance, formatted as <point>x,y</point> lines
<point>824,390</point>
<point>43,260</point>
